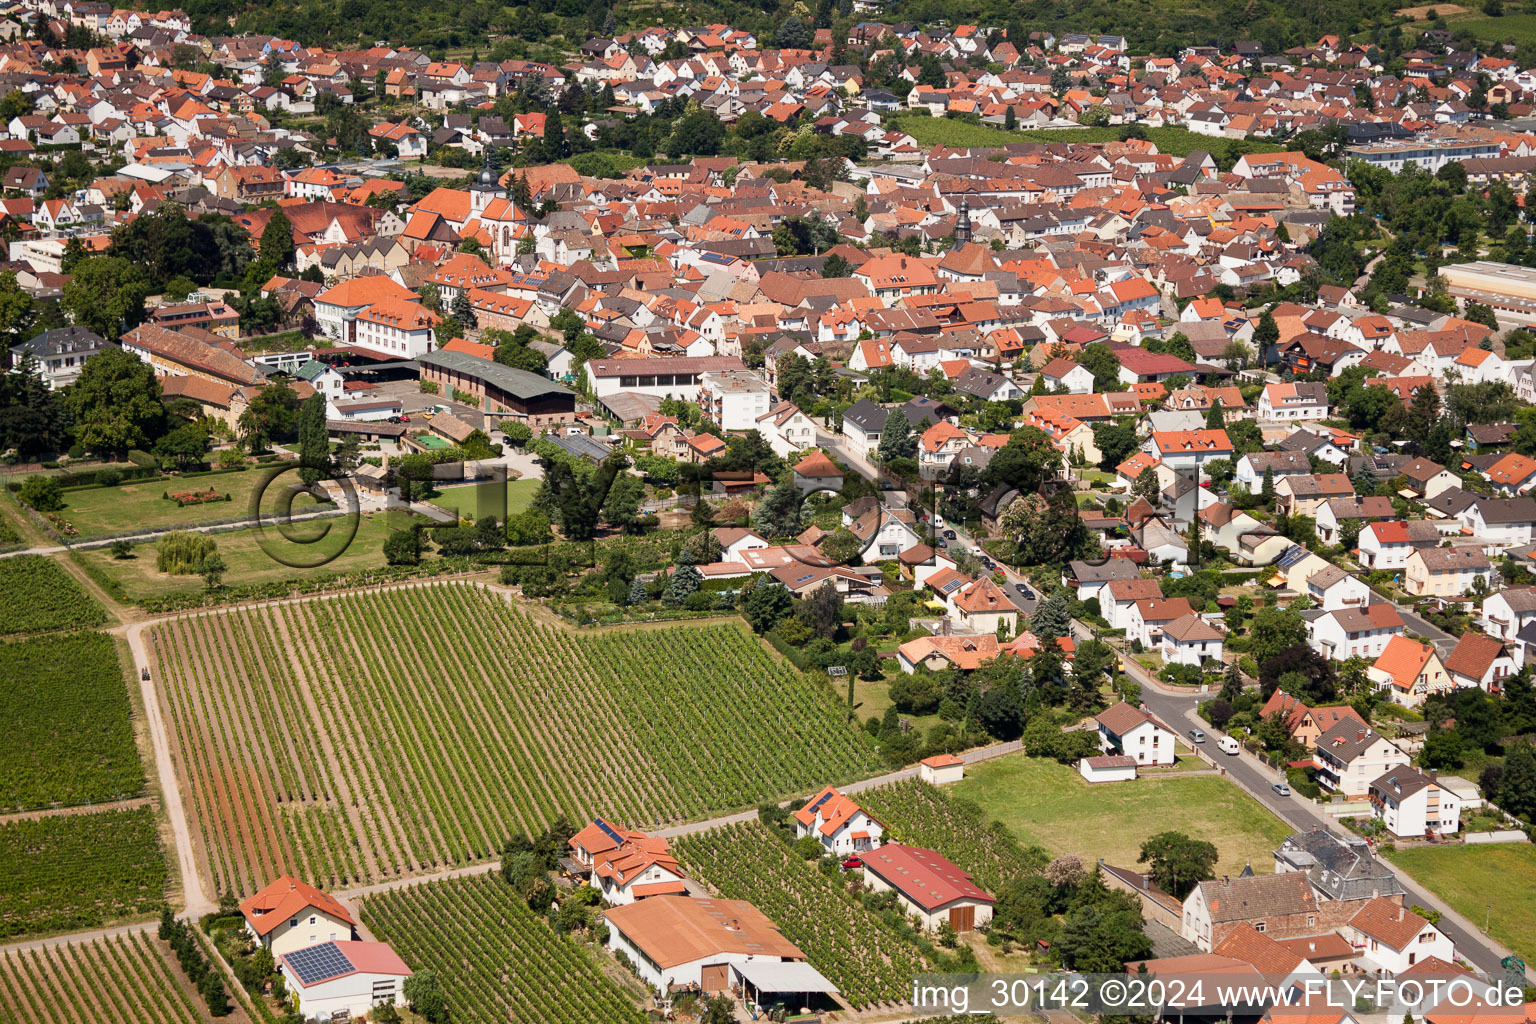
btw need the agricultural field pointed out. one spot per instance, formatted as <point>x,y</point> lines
<point>36,595</point>
<point>865,958</point>
<point>98,511</point>
<point>923,815</point>
<point>1050,804</point>
<point>496,959</point>
<point>1519,27</point>
<point>77,871</point>
<point>122,980</point>
<point>389,732</point>
<point>1495,882</point>
<point>69,739</point>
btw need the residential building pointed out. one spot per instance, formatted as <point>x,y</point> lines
<point>841,826</point>
<point>290,915</point>
<point>343,979</point>
<point>1280,906</point>
<point>1350,756</point>
<point>1340,866</point>
<point>60,353</point>
<point>1409,671</point>
<point>1127,729</point>
<point>687,941</point>
<point>1446,572</point>
<point>1190,640</point>
<point>1353,632</point>
<point>1412,804</point>
<point>1391,938</point>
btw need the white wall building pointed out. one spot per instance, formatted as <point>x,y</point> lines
<point>351,976</point>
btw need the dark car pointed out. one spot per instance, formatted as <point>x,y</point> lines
<point>989,563</point>
<point>943,543</point>
<point>949,534</point>
<point>1022,589</point>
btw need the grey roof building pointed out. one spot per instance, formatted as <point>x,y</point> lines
<point>1339,868</point>
<point>61,352</point>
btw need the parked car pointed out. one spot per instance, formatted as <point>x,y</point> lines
<point>1228,745</point>
<point>1022,589</point>
<point>1282,788</point>
<point>949,534</point>
<point>850,863</point>
<point>943,543</point>
<point>1197,735</point>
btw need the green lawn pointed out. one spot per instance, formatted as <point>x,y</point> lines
<point>248,561</point>
<point>471,501</point>
<point>96,511</point>
<point>1519,27</point>
<point>943,131</point>
<point>1047,803</point>
<point>1474,878</point>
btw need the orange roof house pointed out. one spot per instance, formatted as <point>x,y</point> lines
<point>285,900</point>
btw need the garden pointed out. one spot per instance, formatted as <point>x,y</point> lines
<point>76,871</point>
<point>69,736</point>
<point>390,732</point>
<point>37,594</point>
<point>495,959</point>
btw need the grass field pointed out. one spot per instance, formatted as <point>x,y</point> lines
<point>37,595</point>
<point>127,979</point>
<point>249,562</point>
<point>68,736</point>
<point>385,733</point>
<point>471,501</point>
<point>77,871</point>
<point>96,511</point>
<point>496,960</point>
<point>1474,878</point>
<point>1047,803</point>
<point>943,131</point>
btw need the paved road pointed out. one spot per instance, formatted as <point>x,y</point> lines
<point>1177,711</point>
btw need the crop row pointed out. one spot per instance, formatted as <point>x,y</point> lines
<point>497,961</point>
<point>866,958</point>
<point>391,732</point>
<point>36,594</point>
<point>69,739</point>
<point>77,871</point>
<point>118,980</point>
<point>923,815</point>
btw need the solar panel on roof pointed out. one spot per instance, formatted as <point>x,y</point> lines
<point>317,963</point>
<point>608,831</point>
<point>824,798</point>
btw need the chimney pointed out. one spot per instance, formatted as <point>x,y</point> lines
<point>1359,735</point>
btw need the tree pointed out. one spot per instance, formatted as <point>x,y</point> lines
<point>1266,333</point>
<point>621,507</point>
<point>115,403</point>
<point>1028,460</point>
<point>1100,360</point>
<point>270,414</point>
<point>1214,419</point>
<point>314,441</point>
<point>33,417</point>
<point>1275,630</point>
<point>767,605</point>
<point>403,547</point>
<point>212,570</point>
<point>185,446</point>
<point>1146,486</point>
<point>1115,442</point>
<point>1052,620</point>
<point>16,309</point>
<point>836,266</point>
<point>822,611</point>
<point>107,295</point>
<point>1267,488</point>
<point>1517,786</point>
<point>1178,862</point>
<point>896,438</point>
<point>425,995</point>
<point>778,514</point>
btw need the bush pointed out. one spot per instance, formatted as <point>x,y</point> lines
<point>44,493</point>
<point>109,478</point>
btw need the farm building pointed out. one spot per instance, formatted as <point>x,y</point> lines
<point>289,915</point>
<point>678,940</point>
<point>930,886</point>
<point>842,826</point>
<point>351,976</point>
<point>1107,768</point>
<point>941,769</point>
<point>536,400</point>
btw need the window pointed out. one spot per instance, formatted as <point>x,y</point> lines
<point>293,922</point>
<point>1259,926</point>
<point>312,919</point>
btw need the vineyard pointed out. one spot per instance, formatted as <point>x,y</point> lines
<point>922,815</point>
<point>497,961</point>
<point>389,732</point>
<point>120,980</point>
<point>66,717</point>
<point>78,871</point>
<point>862,955</point>
<point>36,594</point>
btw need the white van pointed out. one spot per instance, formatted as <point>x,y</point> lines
<point>1228,745</point>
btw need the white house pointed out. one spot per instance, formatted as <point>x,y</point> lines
<point>1387,545</point>
<point>1480,661</point>
<point>885,533</point>
<point>1500,522</point>
<point>1189,449</point>
<point>941,769</point>
<point>1145,620</point>
<point>1063,373</point>
<point>345,975</point>
<point>1333,589</point>
<point>1509,611</point>
<point>929,887</point>
<point>862,423</point>
<point>1412,804</point>
<point>1357,632</point>
<point>1409,671</point>
<point>1190,640</point>
<point>1391,938</point>
<point>1126,729</point>
<point>734,399</point>
<point>626,864</point>
<point>676,940</point>
<point>289,915</point>
<point>1350,756</point>
<point>787,429</point>
<point>1294,402</point>
<point>840,825</point>
<point>1118,597</point>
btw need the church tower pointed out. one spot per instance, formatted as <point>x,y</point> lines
<point>485,188</point>
<point>963,224</point>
